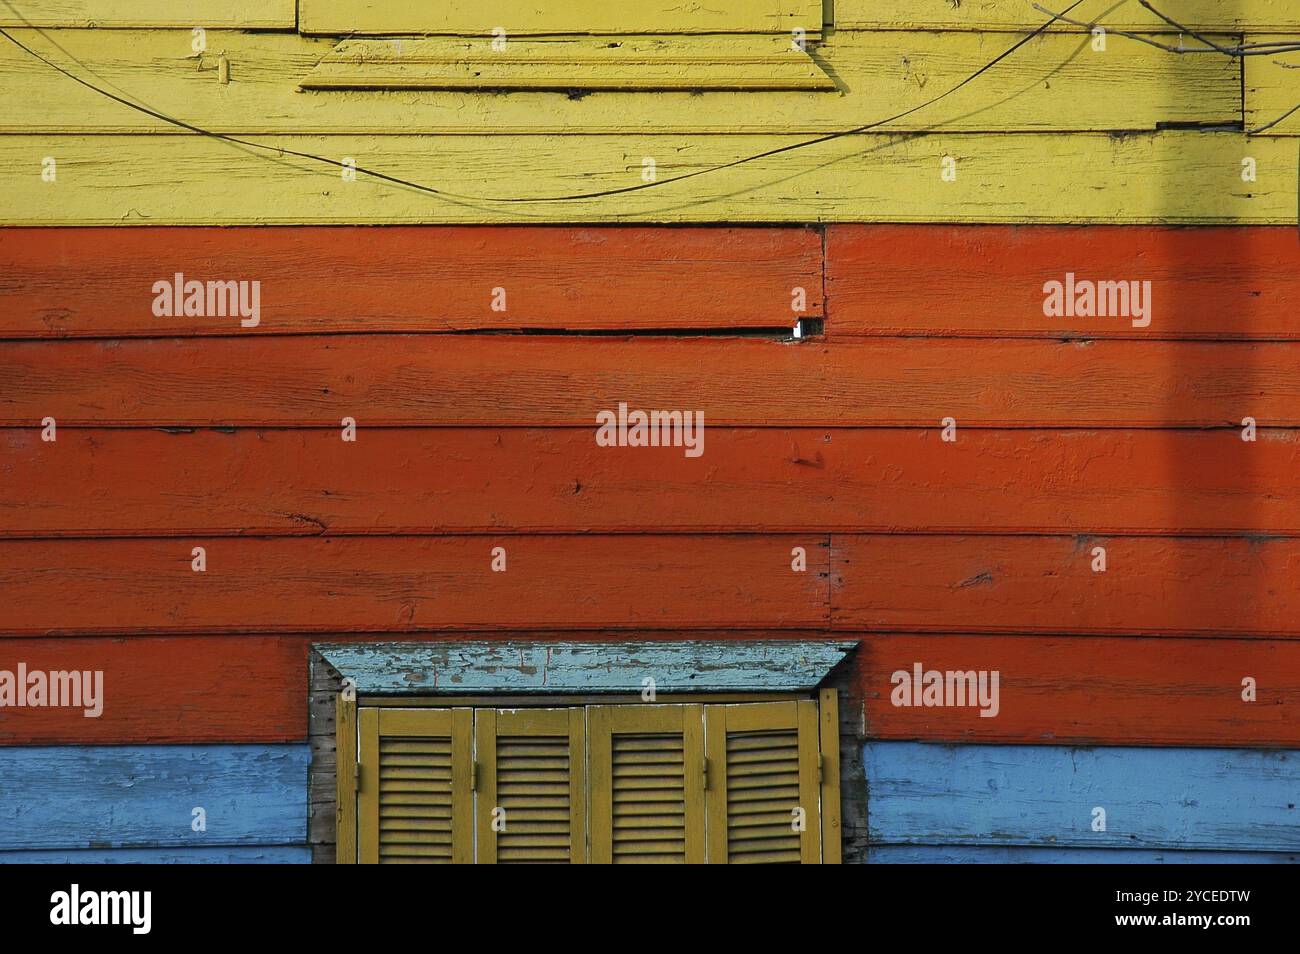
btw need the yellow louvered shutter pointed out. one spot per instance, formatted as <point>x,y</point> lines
<point>531,801</point>
<point>763,799</point>
<point>416,801</point>
<point>646,766</point>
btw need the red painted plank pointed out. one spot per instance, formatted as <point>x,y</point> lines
<point>1052,689</point>
<point>409,584</point>
<point>209,688</point>
<point>1152,586</point>
<point>166,689</point>
<point>486,381</point>
<point>1084,690</point>
<point>99,281</point>
<point>454,480</point>
<point>1226,283</point>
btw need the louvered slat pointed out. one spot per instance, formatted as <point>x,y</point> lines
<point>415,800</point>
<point>533,789</point>
<point>649,796</point>
<point>762,791</point>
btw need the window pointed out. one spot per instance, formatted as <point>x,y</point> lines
<point>735,781</point>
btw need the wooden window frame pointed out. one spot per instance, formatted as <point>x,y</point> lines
<point>706,718</point>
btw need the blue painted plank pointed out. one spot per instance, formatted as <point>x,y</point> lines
<point>920,793</point>
<point>500,667</point>
<point>214,855</point>
<point>143,795</point>
<point>1011,855</point>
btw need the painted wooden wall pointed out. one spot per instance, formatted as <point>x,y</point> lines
<point>922,298</point>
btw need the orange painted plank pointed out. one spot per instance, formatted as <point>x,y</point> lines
<point>99,282</point>
<point>1225,283</point>
<point>409,584</point>
<point>522,480</point>
<point>1084,690</point>
<point>460,380</point>
<point>167,689</point>
<point>1152,586</point>
<point>210,688</point>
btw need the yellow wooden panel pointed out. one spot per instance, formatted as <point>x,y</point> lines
<point>345,749</point>
<point>1174,176</point>
<point>1200,15</point>
<point>763,779</point>
<point>691,63</point>
<point>1053,82</point>
<point>186,14</point>
<point>1272,89</point>
<point>532,766</point>
<point>416,802</point>
<point>518,17</point>
<point>828,715</point>
<point>647,774</point>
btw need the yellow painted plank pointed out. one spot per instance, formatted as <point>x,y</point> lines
<point>1272,89</point>
<point>181,14</point>
<point>1200,15</point>
<point>689,63</point>
<point>1052,82</point>
<point>1172,176</point>
<point>345,733</point>
<point>519,17</point>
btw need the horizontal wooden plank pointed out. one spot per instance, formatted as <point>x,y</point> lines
<point>574,16</point>
<point>164,690</point>
<point>93,282</point>
<point>1166,798</point>
<point>1151,586</point>
<point>1213,283</point>
<point>186,14</point>
<point>1200,15</point>
<point>105,482</point>
<point>68,797</point>
<point>768,63</point>
<point>1082,690</point>
<point>1020,855</point>
<point>410,584</point>
<point>1052,689</point>
<point>1052,83</point>
<point>283,855</point>
<point>236,688</point>
<point>1183,177</point>
<point>491,668</point>
<point>550,381</point>
<point>1271,90</point>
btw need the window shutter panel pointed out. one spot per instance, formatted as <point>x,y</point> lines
<point>763,761</point>
<point>647,783</point>
<point>532,766</point>
<point>416,798</point>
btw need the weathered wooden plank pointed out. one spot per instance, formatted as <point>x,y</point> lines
<point>1053,83</point>
<point>1163,798</point>
<point>1151,586</point>
<point>186,14</point>
<point>1220,283</point>
<point>105,482</point>
<point>1020,855</point>
<point>283,855</point>
<point>411,584</point>
<point>1200,15</point>
<point>1184,177</point>
<point>750,63</point>
<point>575,16</point>
<point>1271,89</point>
<point>143,796</point>
<point>491,668</point>
<point>1084,690</point>
<point>93,282</point>
<point>165,690</point>
<point>552,381</point>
